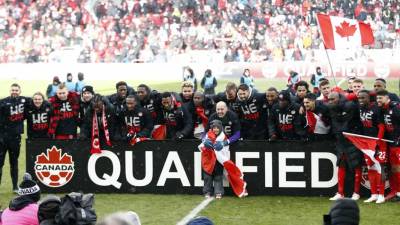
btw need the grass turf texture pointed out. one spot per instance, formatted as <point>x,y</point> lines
<point>169,209</point>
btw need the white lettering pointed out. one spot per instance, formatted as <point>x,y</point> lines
<point>107,179</point>
<point>284,169</point>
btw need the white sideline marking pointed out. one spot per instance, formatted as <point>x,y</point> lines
<point>195,211</point>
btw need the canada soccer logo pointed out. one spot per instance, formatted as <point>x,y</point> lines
<point>54,169</point>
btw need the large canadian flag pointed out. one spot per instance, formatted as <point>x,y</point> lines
<point>367,145</point>
<point>343,33</point>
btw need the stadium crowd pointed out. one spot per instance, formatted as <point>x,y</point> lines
<point>154,31</point>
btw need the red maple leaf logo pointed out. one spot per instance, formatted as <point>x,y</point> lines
<point>345,30</point>
<point>54,157</point>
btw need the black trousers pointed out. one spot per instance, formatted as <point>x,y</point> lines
<point>10,144</point>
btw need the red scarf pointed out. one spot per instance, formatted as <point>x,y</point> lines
<point>95,132</point>
<point>200,113</point>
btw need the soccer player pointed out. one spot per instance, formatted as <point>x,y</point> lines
<point>391,117</point>
<point>285,122</point>
<point>38,117</point>
<point>118,99</point>
<point>229,96</point>
<point>345,118</point>
<point>12,110</point>
<point>325,89</point>
<point>65,118</point>
<point>99,124</point>
<point>317,118</point>
<point>136,120</point>
<point>150,100</point>
<point>301,89</point>
<point>85,102</point>
<point>202,109</point>
<point>176,117</point>
<point>380,85</point>
<point>372,126</point>
<point>250,109</point>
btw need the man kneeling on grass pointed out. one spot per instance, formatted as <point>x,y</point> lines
<point>213,150</point>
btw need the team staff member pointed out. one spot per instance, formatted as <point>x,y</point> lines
<point>12,111</point>
<point>38,117</point>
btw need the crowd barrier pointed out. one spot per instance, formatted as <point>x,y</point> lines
<point>169,167</point>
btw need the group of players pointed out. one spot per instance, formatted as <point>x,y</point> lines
<point>293,114</point>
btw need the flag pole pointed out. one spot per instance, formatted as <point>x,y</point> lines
<point>326,51</point>
<point>369,137</point>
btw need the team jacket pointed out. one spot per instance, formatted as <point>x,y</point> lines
<point>137,121</point>
<point>370,120</point>
<point>13,113</point>
<point>153,105</point>
<point>345,118</point>
<point>286,123</point>
<point>250,115</point>
<point>177,119</point>
<point>230,123</point>
<point>232,104</point>
<point>318,121</point>
<point>38,120</point>
<point>390,115</point>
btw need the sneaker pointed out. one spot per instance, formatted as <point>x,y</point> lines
<point>218,196</point>
<point>373,198</point>
<point>355,196</point>
<point>15,191</point>
<point>381,199</point>
<point>207,195</point>
<point>391,195</point>
<point>336,197</point>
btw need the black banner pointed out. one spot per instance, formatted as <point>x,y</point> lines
<point>169,167</point>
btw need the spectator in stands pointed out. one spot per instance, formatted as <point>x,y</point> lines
<point>176,118</point>
<point>24,208</point>
<point>65,118</point>
<point>246,78</point>
<point>188,75</point>
<point>38,117</point>
<point>121,218</point>
<point>294,77</point>
<point>80,83</point>
<point>99,124</point>
<point>71,86</point>
<point>208,83</point>
<point>380,85</point>
<point>52,88</point>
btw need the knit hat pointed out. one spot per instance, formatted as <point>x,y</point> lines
<point>216,123</point>
<point>200,221</point>
<point>88,88</point>
<point>343,212</point>
<point>29,187</point>
<point>284,96</point>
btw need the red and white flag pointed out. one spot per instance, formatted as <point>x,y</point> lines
<point>343,33</point>
<point>367,145</point>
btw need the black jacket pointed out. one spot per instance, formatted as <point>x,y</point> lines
<point>370,119</point>
<point>230,123</point>
<point>345,118</point>
<point>13,112</point>
<point>390,115</point>
<point>251,116</point>
<point>137,121</point>
<point>38,120</point>
<point>153,104</point>
<point>286,123</point>
<point>178,121</point>
<point>232,104</point>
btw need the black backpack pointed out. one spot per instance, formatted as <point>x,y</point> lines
<point>76,209</point>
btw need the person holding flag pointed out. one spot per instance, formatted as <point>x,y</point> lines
<point>214,159</point>
<point>372,127</point>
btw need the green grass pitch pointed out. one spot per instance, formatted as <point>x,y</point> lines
<point>169,209</point>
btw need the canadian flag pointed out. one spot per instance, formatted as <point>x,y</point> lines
<point>343,33</point>
<point>367,145</point>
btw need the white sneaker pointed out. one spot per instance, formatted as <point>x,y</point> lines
<point>336,197</point>
<point>381,199</point>
<point>355,196</point>
<point>373,198</point>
